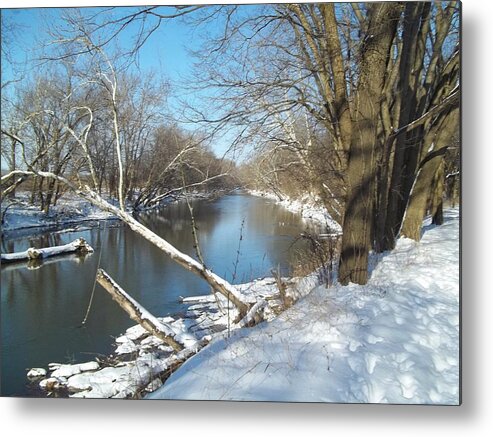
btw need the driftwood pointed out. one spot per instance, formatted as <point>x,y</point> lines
<point>177,340</point>
<point>34,264</point>
<point>76,246</point>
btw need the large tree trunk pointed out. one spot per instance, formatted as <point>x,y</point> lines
<point>356,238</point>
<point>405,101</point>
<point>428,82</point>
<point>436,196</point>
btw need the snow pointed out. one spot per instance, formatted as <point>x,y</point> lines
<point>394,340</point>
<point>36,372</point>
<point>68,370</point>
<point>70,209</point>
<point>33,253</point>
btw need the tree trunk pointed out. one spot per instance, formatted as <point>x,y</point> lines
<point>13,165</point>
<point>33,190</point>
<point>358,218</point>
<point>49,196</point>
<point>437,196</point>
<point>405,101</point>
<point>430,165</point>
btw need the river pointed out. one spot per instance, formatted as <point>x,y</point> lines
<point>42,308</point>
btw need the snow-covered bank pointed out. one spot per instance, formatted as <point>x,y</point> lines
<point>395,340</point>
<point>70,210</point>
<point>140,360</point>
<point>308,207</point>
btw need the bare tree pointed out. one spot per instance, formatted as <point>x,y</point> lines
<point>381,94</point>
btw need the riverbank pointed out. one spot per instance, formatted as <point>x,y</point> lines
<point>60,292</point>
<point>20,218</point>
<point>404,322</point>
<point>394,340</point>
<point>308,207</point>
<point>141,362</point>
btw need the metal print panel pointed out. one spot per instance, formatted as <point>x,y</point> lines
<point>251,202</point>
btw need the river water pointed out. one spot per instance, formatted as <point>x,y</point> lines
<point>42,308</point>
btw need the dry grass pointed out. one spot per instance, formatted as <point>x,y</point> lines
<point>320,256</point>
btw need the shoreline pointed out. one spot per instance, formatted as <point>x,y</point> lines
<point>21,220</point>
<point>308,207</point>
<point>140,363</point>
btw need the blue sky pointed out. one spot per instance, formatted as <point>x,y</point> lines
<point>165,52</point>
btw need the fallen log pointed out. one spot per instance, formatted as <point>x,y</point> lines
<point>177,340</point>
<point>34,264</point>
<point>76,246</point>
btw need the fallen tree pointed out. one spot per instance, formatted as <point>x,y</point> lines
<point>141,362</point>
<point>177,340</point>
<point>76,246</point>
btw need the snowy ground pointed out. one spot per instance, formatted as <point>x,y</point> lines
<point>395,340</point>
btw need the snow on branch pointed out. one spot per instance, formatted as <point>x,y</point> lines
<point>163,331</point>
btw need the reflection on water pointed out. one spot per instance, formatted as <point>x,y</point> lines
<point>42,308</point>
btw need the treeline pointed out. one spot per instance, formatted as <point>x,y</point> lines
<point>75,126</point>
<point>287,173</point>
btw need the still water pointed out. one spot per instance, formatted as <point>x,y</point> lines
<point>42,309</point>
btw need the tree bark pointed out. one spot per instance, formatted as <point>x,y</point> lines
<point>436,200</point>
<point>405,101</point>
<point>418,199</point>
<point>357,227</point>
